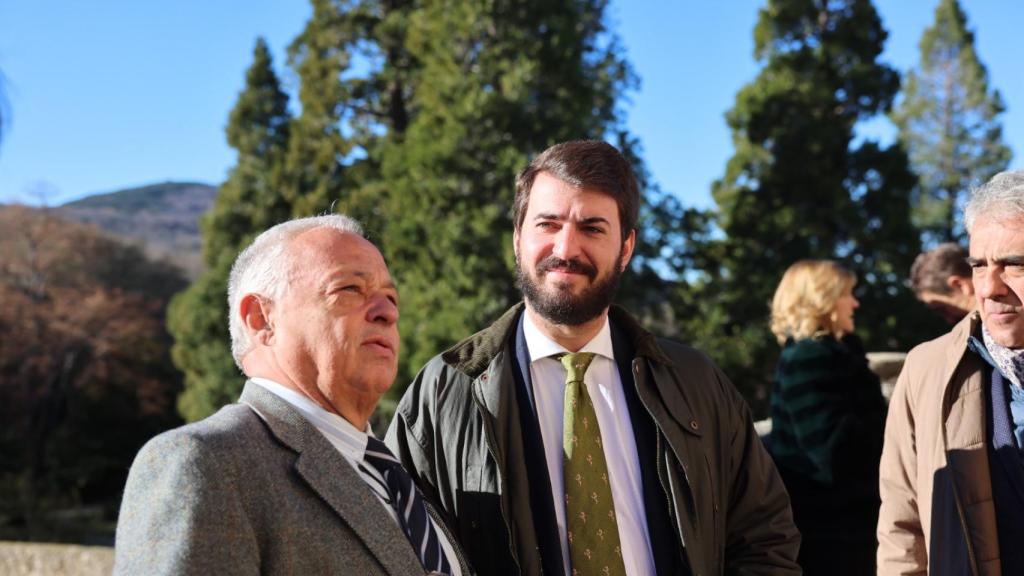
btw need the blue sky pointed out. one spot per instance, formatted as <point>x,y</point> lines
<point>114,93</point>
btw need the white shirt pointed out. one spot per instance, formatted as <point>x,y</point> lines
<point>605,388</point>
<point>351,443</point>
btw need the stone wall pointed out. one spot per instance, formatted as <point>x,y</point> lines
<point>31,559</point>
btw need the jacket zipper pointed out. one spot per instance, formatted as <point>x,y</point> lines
<point>493,451</point>
<point>463,563</point>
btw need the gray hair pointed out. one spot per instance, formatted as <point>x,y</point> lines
<point>265,265</point>
<point>1001,197</point>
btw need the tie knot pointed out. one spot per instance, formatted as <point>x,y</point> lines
<point>576,365</point>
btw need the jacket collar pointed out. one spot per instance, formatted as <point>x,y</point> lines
<point>473,354</point>
<point>333,479</point>
<point>963,411</point>
<point>961,335</point>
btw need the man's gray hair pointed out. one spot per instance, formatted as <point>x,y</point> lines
<point>265,266</point>
<point>1001,197</point>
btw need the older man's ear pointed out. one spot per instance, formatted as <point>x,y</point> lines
<point>255,312</point>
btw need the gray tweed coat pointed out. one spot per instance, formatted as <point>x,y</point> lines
<point>253,489</point>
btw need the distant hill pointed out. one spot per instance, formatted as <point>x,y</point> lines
<point>164,218</point>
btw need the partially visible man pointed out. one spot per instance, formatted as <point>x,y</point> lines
<point>942,280</point>
<point>951,477</point>
<point>290,480</point>
<point>565,439</point>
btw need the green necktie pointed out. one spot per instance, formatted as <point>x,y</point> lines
<point>589,510</point>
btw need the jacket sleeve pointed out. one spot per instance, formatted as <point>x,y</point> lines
<point>761,537</point>
<point>181,513</point>
<point>901,546</point>
<point>409,436</point>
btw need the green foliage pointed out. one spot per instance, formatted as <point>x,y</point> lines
<point>949,122</point>
<point>493,85</point>
<point>247,203</point>
<point>415,118</point>
<point>672,242</point>
<point>800,186</point>
<point>197,318</point>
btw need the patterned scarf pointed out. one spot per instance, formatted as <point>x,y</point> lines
<point>1009,361</point>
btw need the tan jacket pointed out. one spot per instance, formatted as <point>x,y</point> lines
<point>934,474</point>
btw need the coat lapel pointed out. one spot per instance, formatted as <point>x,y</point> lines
<point>332,478</point>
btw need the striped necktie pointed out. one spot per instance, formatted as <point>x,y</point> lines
<point>408,504</point>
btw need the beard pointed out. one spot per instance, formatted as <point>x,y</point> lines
<point>563,307</point>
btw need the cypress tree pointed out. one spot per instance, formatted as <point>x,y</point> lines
<point>248,202</point>
<point>415,118</point>
<point>949,121</point>
<point>494,84</point>
<point>800,186</point>
<point>319,153</point>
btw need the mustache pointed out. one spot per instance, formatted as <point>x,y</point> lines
<point>1000,308</point>
<point>572,265</point>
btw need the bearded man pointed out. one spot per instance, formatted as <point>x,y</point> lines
<point>564,438</point>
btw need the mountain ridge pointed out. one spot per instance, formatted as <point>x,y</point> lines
<point>162,217</point>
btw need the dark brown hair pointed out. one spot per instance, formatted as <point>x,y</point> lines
<point>591,164</point>
<point>932,269</point>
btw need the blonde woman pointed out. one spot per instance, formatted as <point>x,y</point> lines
<point>828,417</point>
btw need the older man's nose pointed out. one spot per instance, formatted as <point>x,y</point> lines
<point>383,310</point>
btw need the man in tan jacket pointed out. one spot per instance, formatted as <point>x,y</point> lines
<point>951,477</point>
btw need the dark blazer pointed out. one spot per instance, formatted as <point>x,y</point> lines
<point>253,489</point>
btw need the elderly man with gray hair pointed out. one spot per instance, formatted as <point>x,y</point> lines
<point>951,476</point>
<point>291,480</point>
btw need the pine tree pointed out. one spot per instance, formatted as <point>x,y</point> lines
<point>248,202</point>
<point>322,56</point>
<point>494,84</point>
<point>949,122</point>
<point>415,119</point>
<point>800,186</point>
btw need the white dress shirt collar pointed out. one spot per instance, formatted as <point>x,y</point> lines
<point>345,437</point>
<point>540,346</point>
